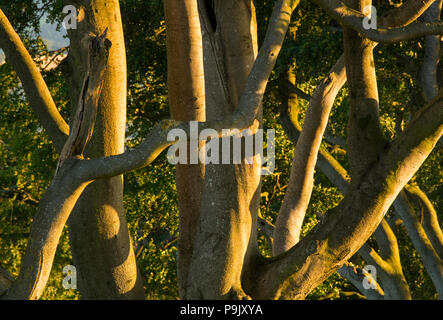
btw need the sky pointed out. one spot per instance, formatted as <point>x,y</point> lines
<point>53,38</point>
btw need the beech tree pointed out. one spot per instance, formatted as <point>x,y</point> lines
<point>218,75</point>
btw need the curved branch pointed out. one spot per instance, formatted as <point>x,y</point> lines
<point>357,276</point>
<point>297,197</point>
<point>345,228</point>
<point>354,20</point>
<point>353,274</point>
<point>66,187</point>
<point>35,87</point>
<point>407,13</point>
<point>338,176</point>
<point>431,57</point>
<point>46,230</point>
<point>254,90</point>
<point>431,260</point>
<point>431,224</point>
<point>388,263</point>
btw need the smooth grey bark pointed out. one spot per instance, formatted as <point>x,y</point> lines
<point>396,283</point>
<point>428,71</point>
<point>66,187</point>
<point>325,249</point>
<point>186,94</point>
<point>297,197</point>
<point>388,263</point>
<point>353,19</point>
<point>430,221</point>
<point>98,231</point>
<point>431,261</point>
<point>231,191</point>
<point>357,277</point>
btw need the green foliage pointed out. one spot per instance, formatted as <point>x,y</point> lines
<point>313,44</point>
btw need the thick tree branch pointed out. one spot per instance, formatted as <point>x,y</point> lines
<point>255,87</point>
<point>357,277</point>
<point>86,113</point>
<point>338,176</point>
<point>431,260</point>
<point>46,231</point>
<point>325,161</point>
<point>430,222</point>
<point>325,248</point>
<point>35,87</point>
<point>365,138</point>
<point>186,95</point>
<point>297,197</point>
<point>431,57</point>
<point>407,13</point>
<point>353,274</point>
<point>388,263</point>
<point>354,20</point>
<point>66,187</point>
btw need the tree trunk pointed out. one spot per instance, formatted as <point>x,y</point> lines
<point>186,93</point>
<point>100,241</point>
<point>428,71</point>
<point>231,192</point>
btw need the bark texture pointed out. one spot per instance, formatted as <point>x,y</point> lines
<point>231,191</point>
<point>428,71</point>
<point>301,181</point>
<point>100,241</point>
<point>66,187</point>
<point>186,92</point>
<point>225,262</point>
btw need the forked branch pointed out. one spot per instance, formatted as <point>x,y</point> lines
<point>65,188</point>
<point>354,20</point>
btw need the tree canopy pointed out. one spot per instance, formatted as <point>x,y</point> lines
<point>312,46</point>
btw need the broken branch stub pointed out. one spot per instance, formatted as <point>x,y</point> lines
<point>84,120</point>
